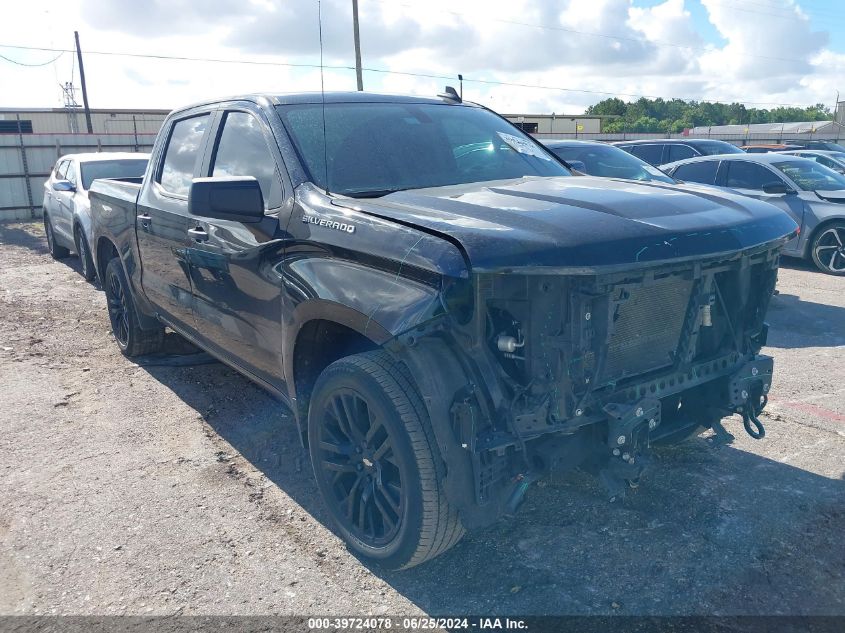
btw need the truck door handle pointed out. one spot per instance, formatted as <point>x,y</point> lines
<point>199,234</point>
<point>145,220</point>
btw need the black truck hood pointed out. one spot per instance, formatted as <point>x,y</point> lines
<point>584,222</point>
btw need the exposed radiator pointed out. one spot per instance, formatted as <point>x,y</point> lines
<point>647,328</point>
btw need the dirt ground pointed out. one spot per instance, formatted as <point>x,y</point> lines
<point>163,490</point>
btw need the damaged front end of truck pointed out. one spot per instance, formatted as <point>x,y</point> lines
<point>531,372</point>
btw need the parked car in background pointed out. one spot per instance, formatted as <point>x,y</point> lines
<point>833,160</point>
<point>771,147</point>
<point>660,151</point>
<point>595,158</point>
<point>66,210</point>
<point>832,146</point>
<point>811,193</point>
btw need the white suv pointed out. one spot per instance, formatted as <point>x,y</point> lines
<point>67,214</point>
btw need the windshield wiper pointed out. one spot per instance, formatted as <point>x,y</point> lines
<point>374,193</point>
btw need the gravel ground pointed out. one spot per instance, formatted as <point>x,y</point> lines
<point>163,490</point>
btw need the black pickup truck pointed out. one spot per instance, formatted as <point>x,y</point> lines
<point>447,312</point>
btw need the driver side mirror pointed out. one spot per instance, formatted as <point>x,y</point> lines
<point>776,188</point>
<point>63,185</point>
<point>236,198</point>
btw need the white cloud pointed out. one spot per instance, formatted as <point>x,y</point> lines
<point>592,45</point>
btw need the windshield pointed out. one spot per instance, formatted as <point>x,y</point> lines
<point>609,162</point>
<point>374,149</point>
<point>809,175</point>
<point>127,168</point>
<point>711,148</point>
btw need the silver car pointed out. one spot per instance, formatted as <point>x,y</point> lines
<point>828,158</point>
<point>811,193</point>
<point>67,214</point>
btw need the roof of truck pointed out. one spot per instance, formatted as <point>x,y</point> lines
<point>302,98</point>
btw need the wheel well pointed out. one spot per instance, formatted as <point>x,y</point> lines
<point>106,251</point>
<point>318,344</point>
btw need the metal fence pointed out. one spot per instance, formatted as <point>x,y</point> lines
<point>27,159</point>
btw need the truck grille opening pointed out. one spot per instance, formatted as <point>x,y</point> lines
<point>647,328</point>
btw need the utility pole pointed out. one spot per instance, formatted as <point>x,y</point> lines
<point>358,73</point>
<point>84,88</point>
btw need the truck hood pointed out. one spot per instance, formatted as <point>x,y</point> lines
<point>582,223</point>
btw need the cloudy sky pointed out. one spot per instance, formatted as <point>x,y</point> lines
<point>516,56</point>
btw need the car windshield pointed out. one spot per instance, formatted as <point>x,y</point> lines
<point>372,149</point>
<point>125,168</point>
<point>609,162</point>
<point>809,175</point>
<point>711,148</point>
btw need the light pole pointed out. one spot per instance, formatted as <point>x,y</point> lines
<point>358,72</point>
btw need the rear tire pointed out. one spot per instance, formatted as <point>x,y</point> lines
<point>86,262</point>
<point>56,251</point>
<point>377,463</point>
<point>828,248</point>
<point>130,337</point>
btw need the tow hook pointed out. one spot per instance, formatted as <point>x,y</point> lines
<point>750,421</point>
<point>748,393</point>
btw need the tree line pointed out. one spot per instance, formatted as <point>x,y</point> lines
<point>675,115</point>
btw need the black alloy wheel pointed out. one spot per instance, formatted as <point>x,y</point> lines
<point>118,308</point>
<point>131,338</point>
<point>377,463</point>
<point>356,456</point>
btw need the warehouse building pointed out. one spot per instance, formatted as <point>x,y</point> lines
<point>546,124</point>
<point>72,121</point>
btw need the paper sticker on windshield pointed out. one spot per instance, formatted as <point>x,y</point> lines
<point>524,146</point>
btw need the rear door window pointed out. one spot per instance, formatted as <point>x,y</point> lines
<point>743,174</point>
<point>703,172</point>
<point>652,154</point>
<point>182,153</point>
<point>680,152</point>
<point>242,151</point>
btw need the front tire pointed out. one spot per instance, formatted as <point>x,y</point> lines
<point>56,251</point>
<point>828,248</point>
<point>130,337</point>
<point>86,262</point>
<point>377,464</point>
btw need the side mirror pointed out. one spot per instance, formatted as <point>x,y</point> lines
<point>236,198</point>
<point>776,188</point>
<point>578,165</point>
<point>63,185</point>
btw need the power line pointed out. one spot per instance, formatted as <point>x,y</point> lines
<point>394,72</point>
<point>14,61</point>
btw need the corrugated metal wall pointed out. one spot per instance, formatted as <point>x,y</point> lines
<point>72,121</point>
<point>26,161</point>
